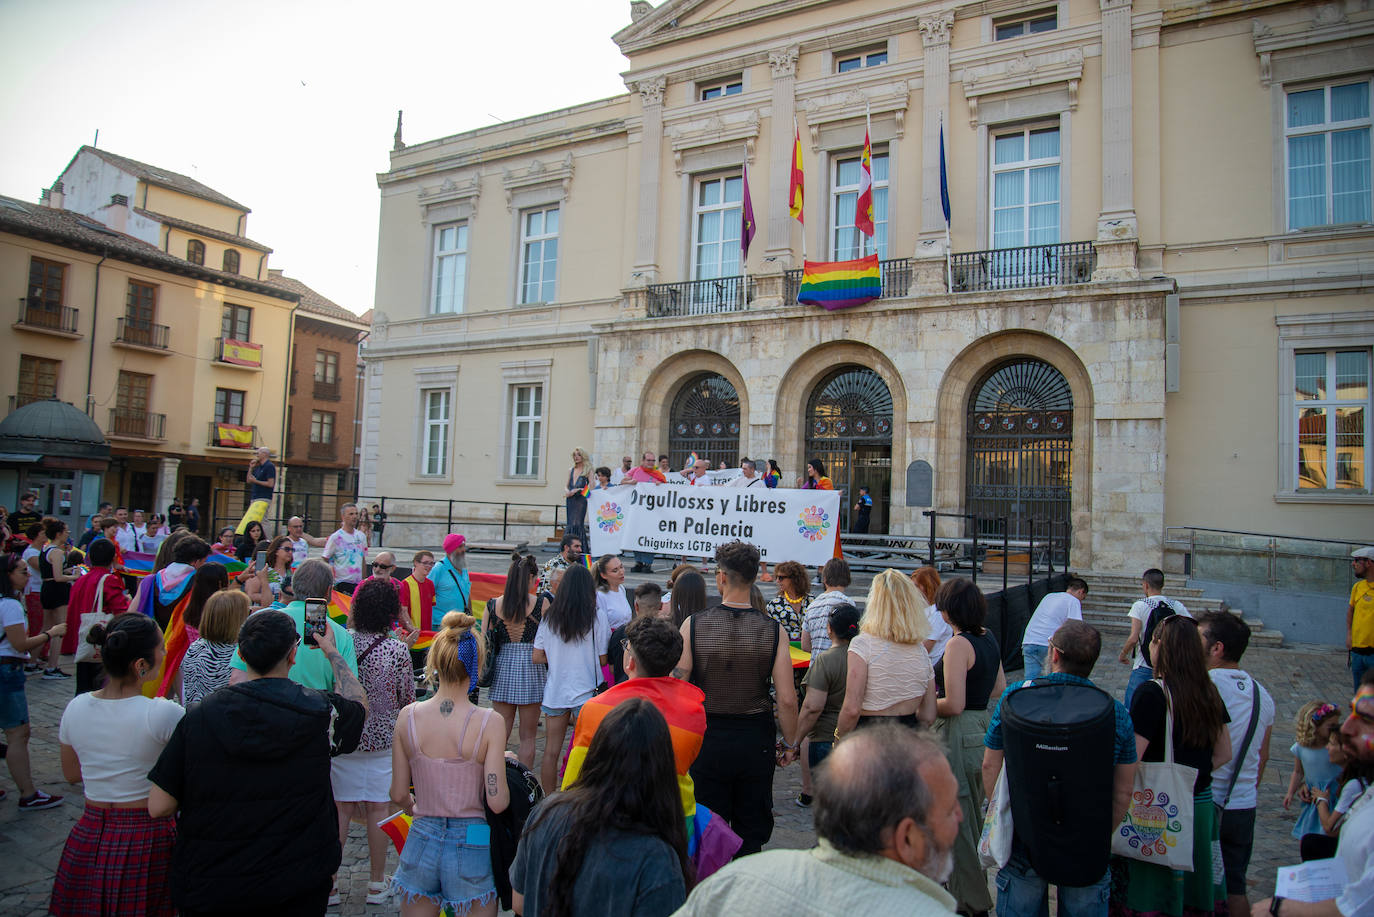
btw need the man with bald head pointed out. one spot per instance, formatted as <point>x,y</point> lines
<point>301,541</point>
<point>887,813</point>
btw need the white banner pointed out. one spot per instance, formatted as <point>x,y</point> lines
<point>783,524</point>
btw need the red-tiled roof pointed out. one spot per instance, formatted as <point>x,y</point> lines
<point>312,302</point>
<point>208,232</point>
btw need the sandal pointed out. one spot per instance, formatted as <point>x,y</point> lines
<point>378,892</point>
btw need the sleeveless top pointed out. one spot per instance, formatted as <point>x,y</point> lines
<point>982,675</point>
<point>447,787</point>
<point>45,565</point>
<point>732,659</point>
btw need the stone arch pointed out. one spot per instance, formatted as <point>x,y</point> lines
<point>952,405</point>
<point>663,386</point>
<point>794,391</point>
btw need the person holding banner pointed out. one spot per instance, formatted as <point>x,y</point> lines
<point>645,472</point>
<point>815,477</point>
<point>734,654</point>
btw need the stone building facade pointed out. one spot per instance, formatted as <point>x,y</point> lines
<point>1145,316</point>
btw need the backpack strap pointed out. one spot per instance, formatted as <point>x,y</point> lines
<point>1239,761</point>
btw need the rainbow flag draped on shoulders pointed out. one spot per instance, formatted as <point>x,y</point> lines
<point>840,284</point>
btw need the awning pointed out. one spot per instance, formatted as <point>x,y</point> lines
<point>20,457</point>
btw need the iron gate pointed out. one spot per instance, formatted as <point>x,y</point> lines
<point>849,429</point>
<point>705,420</point>
<point>1020,447</point>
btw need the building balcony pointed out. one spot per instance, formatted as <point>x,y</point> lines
<point>896,274</point>
<point>697,297</point>
<point>130,424</point>
<point>238,354</point>
<point>48,318</point>
<point>232,436</point>
<point>323,452</point>
<point>142,335</point>
<point>18,401</point>
<point>1027,266</point>
<point>327,391</point>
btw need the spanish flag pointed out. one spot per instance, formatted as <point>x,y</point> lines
<point>796,191</point>
<point>240,353</point>
<point>233,435</point>
<point>841,284</point>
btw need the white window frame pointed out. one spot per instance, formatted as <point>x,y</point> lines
<point>527,426</point>
<point>528,241</point>
<point>836,189</point>
<point>1024,165</point>
<point>443,426</point>
<point>720,88</point>
<point>523,374</point>
<point>458,255</point>
<point>863,55</point>
<point>1024,20</point>
<point>1332,404</point>
<point>1325,128</point>
<point>724,207</point>
<point>1330,331</point>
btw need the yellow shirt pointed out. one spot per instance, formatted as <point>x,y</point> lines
<point>1362,624</point>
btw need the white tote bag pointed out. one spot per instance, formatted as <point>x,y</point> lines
<point>1158,827</point>
<point>85,650</point>
<point>994,846</point>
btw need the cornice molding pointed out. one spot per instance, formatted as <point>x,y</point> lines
<point>719,128</point>
<point>849,104</point>
<point>1023,72</point>
<point>538,174</point>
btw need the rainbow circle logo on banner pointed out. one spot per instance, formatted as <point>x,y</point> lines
<point>610,517</point>
<point>813,523</point>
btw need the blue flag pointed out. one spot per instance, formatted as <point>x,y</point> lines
<point>944,178</point>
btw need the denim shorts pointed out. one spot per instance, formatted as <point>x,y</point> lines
<point>14,704</point>
<point>570,712</point>
<point>448,861</point>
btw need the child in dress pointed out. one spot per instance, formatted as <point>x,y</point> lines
<point>1314,769</point>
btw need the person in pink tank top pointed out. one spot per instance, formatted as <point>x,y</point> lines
<point>453,753</point>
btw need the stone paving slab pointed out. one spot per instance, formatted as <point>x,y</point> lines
<point>31,843</point>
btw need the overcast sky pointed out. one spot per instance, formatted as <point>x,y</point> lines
<point>288,106</point>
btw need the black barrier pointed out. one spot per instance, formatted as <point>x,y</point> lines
<point>1010,610</point>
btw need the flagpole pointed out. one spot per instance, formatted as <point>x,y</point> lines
<point>949,251</point>
<point>743,243</point>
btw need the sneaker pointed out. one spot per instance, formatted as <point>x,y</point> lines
<point>30,668</point>
<point>39,800</point>
<point>378,892</point>
<point>804,800</point>
<point>54,674</point>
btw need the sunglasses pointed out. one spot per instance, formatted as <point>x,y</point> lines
<point>383,566</point>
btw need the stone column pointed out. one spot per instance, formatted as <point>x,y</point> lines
<point>1117,230</point>
<point>167,469</point>
<point>783,64</point>
<point>929,267</point>
<point>650,161</point>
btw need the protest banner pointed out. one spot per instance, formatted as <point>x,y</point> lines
<point>666,519</point>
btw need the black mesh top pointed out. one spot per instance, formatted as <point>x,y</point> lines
<point>732,659</point>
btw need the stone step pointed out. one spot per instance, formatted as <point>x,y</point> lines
<point>1194,605</point>
<point>1134,593</point>
<point>1118,627</point>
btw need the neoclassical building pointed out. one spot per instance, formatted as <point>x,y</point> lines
<point>1153,310</point>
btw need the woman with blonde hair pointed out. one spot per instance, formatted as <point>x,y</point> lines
<point>448,758</point>
<point>205,668</point>
<point>927,581</point>
<point>890,678</point>
<point>575,496</point>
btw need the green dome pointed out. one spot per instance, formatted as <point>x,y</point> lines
<point>52,428</point>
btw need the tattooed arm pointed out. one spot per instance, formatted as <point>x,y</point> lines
<point>494,777</point>
<point>346,684</point>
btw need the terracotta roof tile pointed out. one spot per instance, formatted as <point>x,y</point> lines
<point>200,230</point>
<point>312,302</point>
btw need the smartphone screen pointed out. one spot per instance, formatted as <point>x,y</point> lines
<point>260,560</point>
<point>316,619</point>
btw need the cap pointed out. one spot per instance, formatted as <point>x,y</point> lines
<point>453,542</point>
<point>1364,554</point>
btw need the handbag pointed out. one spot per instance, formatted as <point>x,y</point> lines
<point>1158,827</point>
<point>994,845</point>
<point>85,650</point>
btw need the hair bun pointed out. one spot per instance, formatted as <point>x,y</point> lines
<point>115,642</point>
<point>96,635</point>
<point>457,620</point>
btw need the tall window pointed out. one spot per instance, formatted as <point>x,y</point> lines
<point>1329,168</point>
<point>717,212</point>
<point>450,267</point>
<point>141,306</point>
<point>37,379</point>
<point>326,366</point>
<point>538,255</point>
<point>1331,397</point>
<point>1025,24</point>
<point>236,323</point>
<point>195,251</point>
<point>321,427</point>
<point>857,60</point>
<point>844,205</point>
<point>231,261</point>
<point>45,284</point>
<point>1025,188</point>
<point>229,405</point>
<point>526,427</point>
<point>434,454</point>
<point>131,393</point>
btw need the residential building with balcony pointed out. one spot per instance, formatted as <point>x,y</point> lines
<point>182,366</point>
<point>1153,308</point>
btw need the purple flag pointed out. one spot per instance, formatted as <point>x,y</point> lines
<point>746,230</point>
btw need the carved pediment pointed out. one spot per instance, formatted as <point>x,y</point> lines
<point>1022,72</point>
<point>536,175</point>
<point>1283,48</point>
<point>465,189</point>
<point>720,127</point>
<point>846,105</point>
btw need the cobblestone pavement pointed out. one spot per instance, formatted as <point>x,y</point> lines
<point>31,843</point>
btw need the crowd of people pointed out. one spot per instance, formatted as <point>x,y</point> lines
<point>193,678</point>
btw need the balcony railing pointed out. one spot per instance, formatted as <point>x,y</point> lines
<point>48,317</point>
<point>136,424</point>
<point>18,401</point>
<point>323,451</point>
<point>896,274</point>
<point>232,436</point>
<point>1028,266</point>
<point>327,391</point>
<point>697,297</point>
<point>142,334</point>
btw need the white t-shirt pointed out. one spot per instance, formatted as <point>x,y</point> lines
<point>1053,610</point>
<point>35,583</point>
<point>1234,687</point>
<point>1141,612</point>
<point>12,612</point>
<point>127,539</point>
<point>1356,850</point>
<point>742,481</point>
<point>348,554</point>
<point>614,606</point>
<point>300,552</point>
<point>574,668</point>
<point>118,742</point>
<point>940,632</point>
<point>1349,793</point>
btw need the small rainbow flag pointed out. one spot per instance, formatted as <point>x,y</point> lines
<point>801,659</point>
<point>340,606</point>
<point>589,564</point>
<point>586,489</point>
<point>424,640</point>
<point>397,827</point>
<point>840,284</point>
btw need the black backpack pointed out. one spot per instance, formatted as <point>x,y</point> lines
<point>1158,612</point>
<point>1060,743</point>
<point>506,827</point>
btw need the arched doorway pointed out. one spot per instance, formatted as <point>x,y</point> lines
<point>849,428</point>
<point>1020,448</point>
<point>705,419</point>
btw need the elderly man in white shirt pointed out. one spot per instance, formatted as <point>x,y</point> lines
<point>749,476</point>
<point>1053,610</point>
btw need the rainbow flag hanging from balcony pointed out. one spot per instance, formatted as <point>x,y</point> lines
<point>240,353</point>
<point>840,284</point>
<point>233,435</point>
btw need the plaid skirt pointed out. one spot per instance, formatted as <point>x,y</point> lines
<point>515,677</point>
<point>116,862</point>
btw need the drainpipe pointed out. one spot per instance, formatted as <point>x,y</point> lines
<point>286,395</point>
<point>95,313</point>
